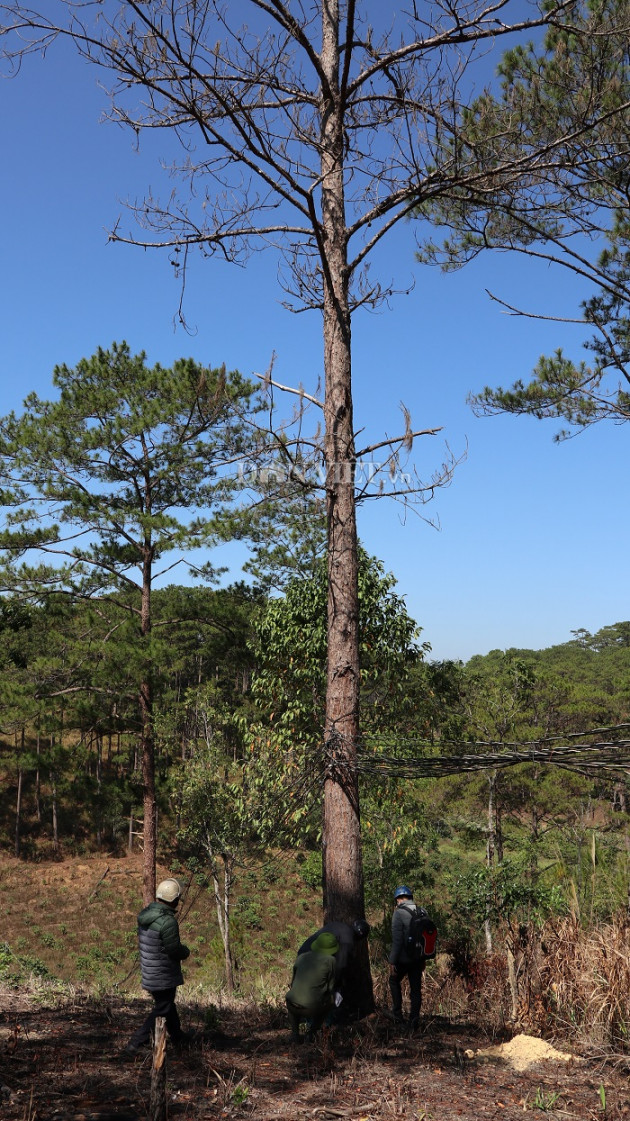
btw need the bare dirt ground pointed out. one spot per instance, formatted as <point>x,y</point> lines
<point>65,1063</point>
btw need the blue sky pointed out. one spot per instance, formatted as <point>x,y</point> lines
<point>533,536</point>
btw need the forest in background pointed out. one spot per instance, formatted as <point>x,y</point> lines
<point>238,701</point>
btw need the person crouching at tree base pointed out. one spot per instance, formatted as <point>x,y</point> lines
<point>161,954</point>
<point>311,997</point>
<point>401,964</point>
<point>350,984</point>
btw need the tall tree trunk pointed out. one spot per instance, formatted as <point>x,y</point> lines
<point>222,899</point>
<point>18,802</point>
<point>341,838</point>
<point>148,799</point>
<point>147,745</point>
<point>343,885</point>
<point>99,786</point>
<point>55,818</point>
<point>53,780</point>
<point>491,845</point>
<point>227,937</point>
<point>38,782</point>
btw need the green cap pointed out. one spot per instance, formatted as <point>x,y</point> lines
<point>325,943</point>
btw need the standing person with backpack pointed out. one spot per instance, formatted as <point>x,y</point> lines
<point>413,934</point>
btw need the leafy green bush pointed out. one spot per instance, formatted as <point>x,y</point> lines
<point>505,893</point>
<point>311,870</point>
<point>6,958</point>
<point>250,914</point>
<point>35,966</point>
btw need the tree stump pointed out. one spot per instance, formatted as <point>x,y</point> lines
<point>157,1106</point>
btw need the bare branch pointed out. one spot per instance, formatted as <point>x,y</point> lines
<point>298,392</point>
<point>402,441</point>
<point>532,314</point>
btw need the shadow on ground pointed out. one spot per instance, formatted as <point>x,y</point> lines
<point>66,1063</point>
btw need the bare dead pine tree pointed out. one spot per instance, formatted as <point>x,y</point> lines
<point>312,128</point>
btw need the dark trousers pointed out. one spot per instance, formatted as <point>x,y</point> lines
<point>314,1016</point>
<point>413,970</point>
<point>163,1005</point>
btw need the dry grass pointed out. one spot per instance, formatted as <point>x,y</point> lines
<point>573,983</point>
<point>585,983</point>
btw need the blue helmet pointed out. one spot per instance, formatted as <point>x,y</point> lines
<point>403,892</point>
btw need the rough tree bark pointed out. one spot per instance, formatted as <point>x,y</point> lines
<point>147,740</point>
<point>342,864</point>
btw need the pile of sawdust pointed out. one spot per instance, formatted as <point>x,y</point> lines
<point>523,1051</point>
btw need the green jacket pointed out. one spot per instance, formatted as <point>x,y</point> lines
<point>161,949</point>
<point>313,982</point>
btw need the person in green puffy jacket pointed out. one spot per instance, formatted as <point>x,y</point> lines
<point>312,993</point>
<point>161,955</point>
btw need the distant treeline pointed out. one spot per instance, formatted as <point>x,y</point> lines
<point>237,678</point>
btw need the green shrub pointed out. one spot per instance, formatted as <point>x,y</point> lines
<point>249,914</point>
<point>6,958</point>
<point>311,870</point>
<point>34,966</point>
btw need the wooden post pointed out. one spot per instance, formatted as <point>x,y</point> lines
<point>157,1107</point>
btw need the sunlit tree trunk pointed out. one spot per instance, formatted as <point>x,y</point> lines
<point>342,859</point>
<point>222,898</point>
<point>494,844</point>
<point>147,745</point>
<point>343,882</point>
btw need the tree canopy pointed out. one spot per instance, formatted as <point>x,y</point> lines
<point>128,465</point>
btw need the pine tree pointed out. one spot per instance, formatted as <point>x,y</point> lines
<point>111,485</point>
